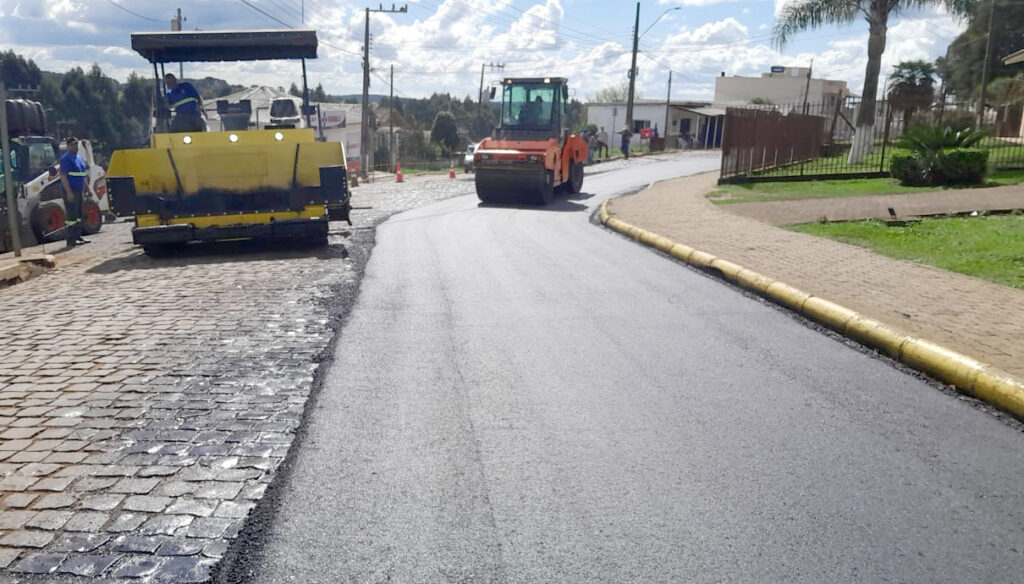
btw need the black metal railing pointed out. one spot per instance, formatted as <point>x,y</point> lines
<point>812,141</point>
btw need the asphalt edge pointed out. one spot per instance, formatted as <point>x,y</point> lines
<point>975,378</point>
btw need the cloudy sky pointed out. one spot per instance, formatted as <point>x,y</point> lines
<point>439,45</point>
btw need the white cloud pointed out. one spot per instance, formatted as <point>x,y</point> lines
<point>701,53</point>
<point>713,33</point>
<point>443,48</point>
<point>696,2</point>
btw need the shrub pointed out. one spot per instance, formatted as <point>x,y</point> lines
<point>907,169</point>
<point>961,166</point>
<point>941,155</point>
<point>955,166</point>
<point>932,140</point>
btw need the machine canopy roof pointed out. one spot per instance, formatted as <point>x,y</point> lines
<point>248,45</point>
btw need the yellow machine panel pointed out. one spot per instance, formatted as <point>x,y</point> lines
<point>230,161</point>
<point>309,212</point>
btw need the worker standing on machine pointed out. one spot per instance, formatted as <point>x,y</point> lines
<point>183,98</point>
<point>73,172</point>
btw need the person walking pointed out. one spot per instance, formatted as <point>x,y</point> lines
<point>591,146</point>
<point>602,142</point>
<point>183,98</point>
<point>73,173</point>
<point>626,136</point>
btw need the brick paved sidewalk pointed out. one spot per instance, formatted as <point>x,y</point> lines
<point>876,206</point>
<point>146,404</point>
<point>977,318</point>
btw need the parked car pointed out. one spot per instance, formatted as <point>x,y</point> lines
<point>467,159</point>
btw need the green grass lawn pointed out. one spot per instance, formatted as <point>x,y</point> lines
<point>823,189</point>
<point>989,247</point>
<point>833,164</point>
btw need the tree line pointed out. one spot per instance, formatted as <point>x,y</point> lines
<point>115,115</point>
<point>85,103</point>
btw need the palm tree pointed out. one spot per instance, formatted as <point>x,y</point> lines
<point>800,15</point>
<point>912,87</point>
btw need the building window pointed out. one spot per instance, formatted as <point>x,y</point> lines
<point>640,124</point>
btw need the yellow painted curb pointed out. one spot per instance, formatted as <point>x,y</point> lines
<point>971,376</point>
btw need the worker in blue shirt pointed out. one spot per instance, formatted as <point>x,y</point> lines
<point>187,105</point>
<point>73,173</point>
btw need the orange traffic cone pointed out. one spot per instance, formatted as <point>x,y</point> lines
<point>451,171</point>
<point>398,174</point>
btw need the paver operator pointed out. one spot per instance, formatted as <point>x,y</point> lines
<point>183,98</point>
<point>73,173</point>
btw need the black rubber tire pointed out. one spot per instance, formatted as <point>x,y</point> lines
<point>25,117</point>
<point>575,183</point>
<point>545,193</point>
<point>533,188</point>
<point>15,116</point>
<point>41,116</point>
<point>46,218</point>
<point>482,193</point>
<point>92,217</point>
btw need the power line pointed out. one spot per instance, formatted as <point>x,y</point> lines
<point>134,13</point>
<point>261,11</point>
<point>285,7</point>
<point>337,48</point>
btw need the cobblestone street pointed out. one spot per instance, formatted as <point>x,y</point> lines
<point>146,404</point>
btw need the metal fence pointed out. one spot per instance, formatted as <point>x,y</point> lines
<point>812,141</point>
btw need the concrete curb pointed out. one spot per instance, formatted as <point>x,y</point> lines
<point>24,268</point>
<point>973,377</point>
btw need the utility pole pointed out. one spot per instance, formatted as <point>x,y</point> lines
<point>492,66</point>
<point>391,121</point>
<point>668,101</point>
<point>807,86</point>
<point>175,27</point>
<point>364,132</point>
<point>8,174</point>
<point>632,71</point>
<point>984,68</point>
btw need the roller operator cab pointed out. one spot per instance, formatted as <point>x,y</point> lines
<point>276,183</point>
<point>531,153</point>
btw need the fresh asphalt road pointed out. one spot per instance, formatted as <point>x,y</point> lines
<point>520,396</point>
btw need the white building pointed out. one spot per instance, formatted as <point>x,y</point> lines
<point>781,86</point>
<point>259,98</point>
<point>338,122</point>
<point>691,123</point>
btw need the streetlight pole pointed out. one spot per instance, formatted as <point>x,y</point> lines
<point>391,121</point>
<point>984,67</point>
<point>668,105</point>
